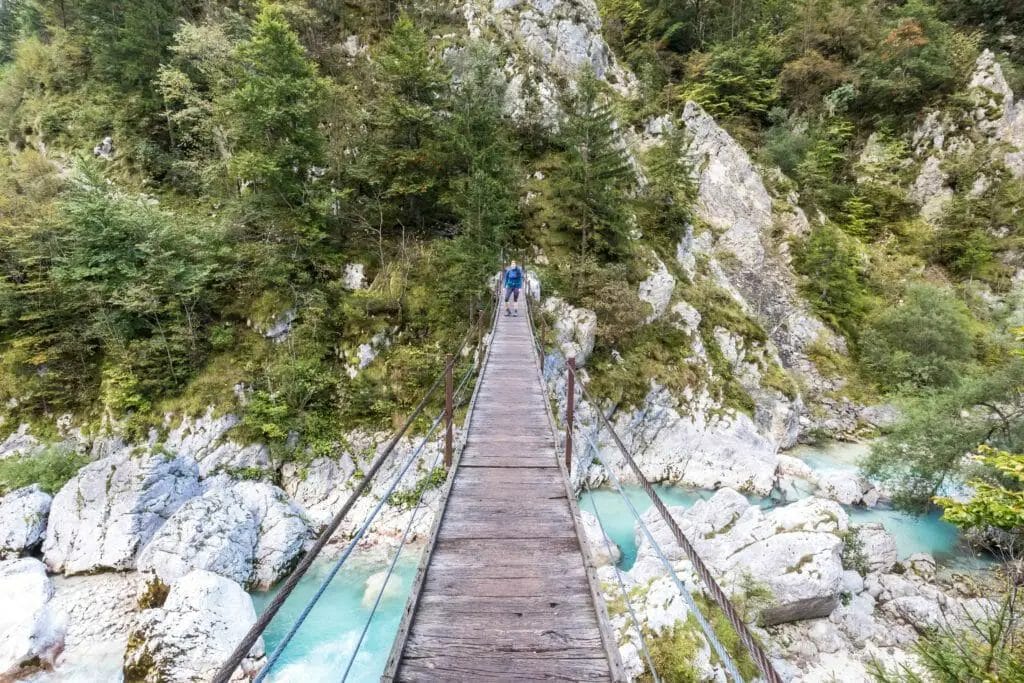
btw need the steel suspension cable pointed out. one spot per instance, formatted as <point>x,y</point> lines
<point>757,653</point>
<point>625,593</point>
<point>691,604</point>
<point>398,551</point>
<point>311,603</point>
<point>243,648</point>
<point>754,648</point>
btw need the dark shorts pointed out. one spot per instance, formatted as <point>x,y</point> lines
<point>512,293</point>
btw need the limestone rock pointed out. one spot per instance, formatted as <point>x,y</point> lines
<point>193,633</point>
<point>248,532</point>
<point>23,520</point>
<point>111,509</point>
<point>206,440</point>
<point>319,487</point>
<point>99,610</point>
<point>844,486</point>
<point>657,291</point>
<point>354,276</point>
<point>878,546</point>
<point>694,445</point>
<point>30,633</point>
<point>795,550</point>
<point>19,442</point>
<point>732,198</point>
<point>603,550</point>
<point>574,329</point>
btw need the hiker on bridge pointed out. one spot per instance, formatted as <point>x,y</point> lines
<point>513,283</point>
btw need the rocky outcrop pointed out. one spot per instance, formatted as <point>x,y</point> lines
<point>112,508</point>
<point>22,520</point>
<point>19,442</point>
<point>691,444</point>
<point>31,634</point>
<point>657,290</point>
<point>732,198</point>
<point>247,531</point>
<point>205,440</point>
<point>553,41</point>
<point>191,636</point>
<point>99,610</point>
<point>991,118</point>
<point>795,551</point>
<point>574,329</point>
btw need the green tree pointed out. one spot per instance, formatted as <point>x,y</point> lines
<point>924,453</point>
<point>272,114</point>
<point>666,201</point>
<point>590,179</point>
<point>923,342</point>
<point>830,262</point>
<point>406,157</point>
<point>997,503</point>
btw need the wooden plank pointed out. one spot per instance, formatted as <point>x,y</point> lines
<point>507,593</point>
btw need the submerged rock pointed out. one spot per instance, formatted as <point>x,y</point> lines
<point>191,636</point>
<point>23,520</point>
<point>31,634</point>
<point>112,508</point>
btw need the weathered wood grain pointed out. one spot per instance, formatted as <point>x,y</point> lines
<point>506,595</point>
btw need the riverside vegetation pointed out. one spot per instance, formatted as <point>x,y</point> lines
<point>283,212</point>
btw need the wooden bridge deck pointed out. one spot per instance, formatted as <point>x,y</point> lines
<point>506,591</point>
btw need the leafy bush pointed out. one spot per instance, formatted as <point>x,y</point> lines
<point>51,470</point>
<point>923,342</point>
<point>831,264</point>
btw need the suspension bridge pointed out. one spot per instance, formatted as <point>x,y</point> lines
<point>506,588</point>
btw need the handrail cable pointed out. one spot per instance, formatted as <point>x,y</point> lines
<point>243,648</point>
<point>757,653</point>
<point>311,603</point>
<point>691,604</point>
<point>398,551</point>
<point>625,593</point>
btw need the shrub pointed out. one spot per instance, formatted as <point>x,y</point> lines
<point>921,343</point>
<point>50,469</point>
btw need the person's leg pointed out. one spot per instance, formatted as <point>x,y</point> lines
<point>508,294</point>
<point>515,300</point>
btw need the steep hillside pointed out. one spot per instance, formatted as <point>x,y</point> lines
<point>237,239</point>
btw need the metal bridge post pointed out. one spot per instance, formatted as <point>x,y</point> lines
<point>570,410</point>
<point>448,416</point>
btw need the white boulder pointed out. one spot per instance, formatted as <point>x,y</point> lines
<point>23,520</point>
<point>794,550</point>
<point>248,532</point>
<point>878,547</point>
<point>574,328</point>
<point>112,507</point>
<point>31,635</point>
<point>657,291</point>
<point>603,550</point>
<point>191,636</point>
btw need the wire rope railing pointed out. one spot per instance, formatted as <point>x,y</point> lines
<point>718,596</point>
<point>245,646</point>
<point>398,551</point>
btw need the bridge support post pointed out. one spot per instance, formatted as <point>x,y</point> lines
<point>570,411</point>
<point>449,363</point>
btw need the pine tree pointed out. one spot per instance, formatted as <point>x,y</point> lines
<point>591,180</point>
<point>408,155</point>
<point>272,115</point>
<point>484,193</point>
